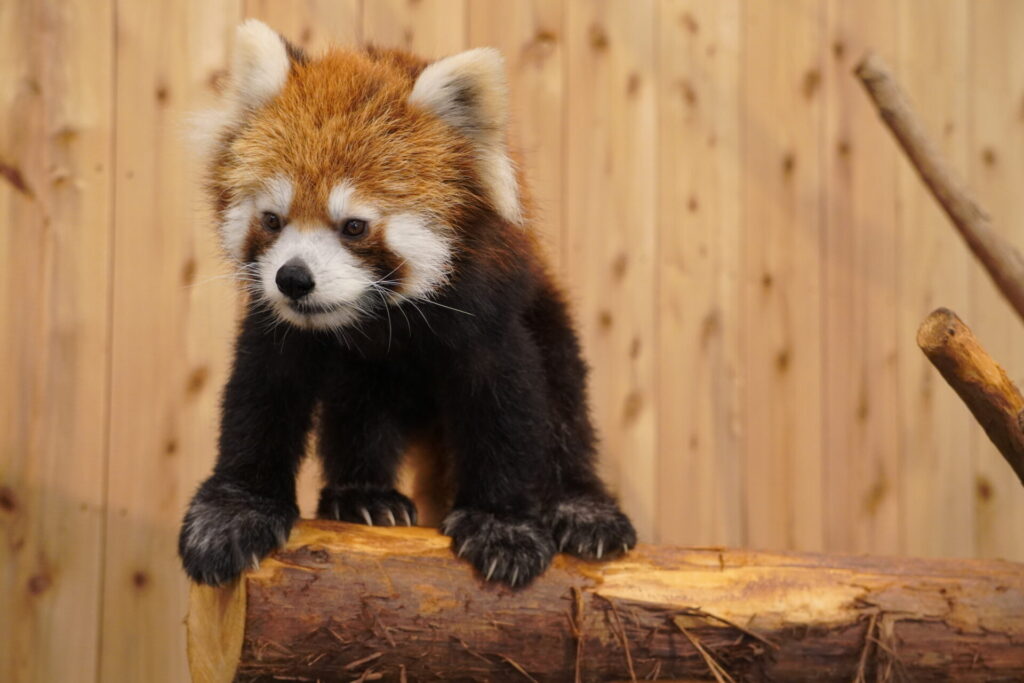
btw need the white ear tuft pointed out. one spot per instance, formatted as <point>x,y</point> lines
<point>468,92</point>
<point>261,63</point>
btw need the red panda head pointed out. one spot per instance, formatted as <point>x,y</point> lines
<point>341,182</point>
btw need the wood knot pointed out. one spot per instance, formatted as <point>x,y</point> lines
<point>8,503</point>
<point>38,583</point>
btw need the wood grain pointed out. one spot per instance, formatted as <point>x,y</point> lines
<point>56,185</point>
<point>782,274</point>
<point>610,234</point>
<point>431,28</point>
<point>859,344</point>
<point>172,329</point>
<point>348,601</point>
<point>937,514</point>
<point>699,261</point>
<point>996,162</point>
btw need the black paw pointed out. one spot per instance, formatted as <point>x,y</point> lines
<point>227,529</point>
<point>508,549</point>
<point>362,505</point>
<point>591,528</point>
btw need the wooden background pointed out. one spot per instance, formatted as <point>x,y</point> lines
<point>748,255</point>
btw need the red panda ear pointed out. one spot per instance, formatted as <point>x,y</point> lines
<point>261,64</point>
<point>468,92</point>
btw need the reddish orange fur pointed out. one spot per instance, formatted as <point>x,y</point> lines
<point>344,116</point>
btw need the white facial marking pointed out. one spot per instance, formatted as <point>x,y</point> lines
<point>426,253</point>
<point>342,204</point>
<point>339,276</point>
<point>235,227</point>
<point>276,196</point>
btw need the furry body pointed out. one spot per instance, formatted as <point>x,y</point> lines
<point>387,183</point>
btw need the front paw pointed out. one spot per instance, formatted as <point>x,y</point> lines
<point>228,529</point>
<point>591,528</point>
<point>507,549</point>
<point>365,505</point>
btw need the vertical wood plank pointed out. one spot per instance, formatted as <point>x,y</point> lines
<point>313,25</point>
<point>783,114</point>
<point>935,438</point>
<point>861,433</point>
<point>172,330</point>
<point>610,241</point>
<point>699,221</point>
<point>56,117</point>
<point>996,170</point>
<point>430,28</point>
<point>531,36</point>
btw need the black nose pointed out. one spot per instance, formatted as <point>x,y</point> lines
<point>294,279</point>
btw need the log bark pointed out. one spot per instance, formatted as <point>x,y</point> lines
<point>980,382</point>
<point>346,602</point>
<point>1000,258</point>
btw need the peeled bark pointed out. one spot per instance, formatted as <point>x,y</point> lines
<point>344,602</point>
<point>981,383</point>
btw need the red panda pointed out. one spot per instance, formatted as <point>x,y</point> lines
<point>368,201</point>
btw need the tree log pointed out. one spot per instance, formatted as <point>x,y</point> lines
<point>1000,258</point>
<point>346,602</point>
<point>980,381</point>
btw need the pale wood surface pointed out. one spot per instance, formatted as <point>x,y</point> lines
<point>610,230</point>
<point>860,344</point>
<point>858,252</point>
<point>936,493</point>
<point>997,157</point>
<point>172,328</point>
<point>56,184</point>
<point>700,206</point>
<point>782,274</point>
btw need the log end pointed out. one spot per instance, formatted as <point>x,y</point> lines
<point>935,333</point>
<point>868,66</point>
<point>216,623</point>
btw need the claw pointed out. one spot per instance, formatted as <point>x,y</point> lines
<point>625,548</point>
<point>565,539</point>
<point>464,548</point>
<point>254,564</point>
<point>515,575</point>
<point>405,516</point>
<point>391,517</point>
<point>490,570</point>
<point>337,511</point>
<point>579,549</point>
<point>600,548</point>
<point>366,515</point>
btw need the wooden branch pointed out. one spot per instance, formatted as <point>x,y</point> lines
<point>1000,258</point>
<point>980,381</point>
<point>346,602</point>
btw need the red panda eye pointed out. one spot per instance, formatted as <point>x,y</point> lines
<point>271,221</point>
<point>353,227</point>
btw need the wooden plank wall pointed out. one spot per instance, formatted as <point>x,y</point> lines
<point>747,254</point>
